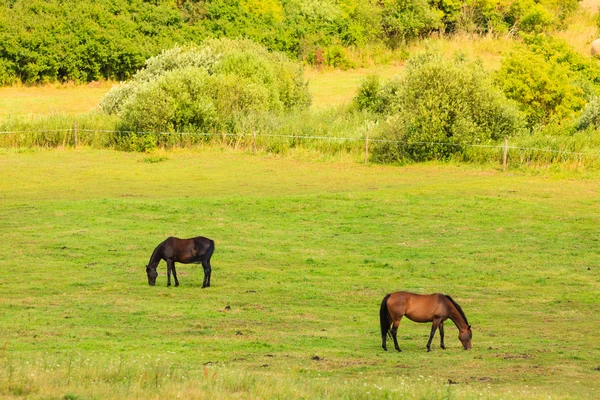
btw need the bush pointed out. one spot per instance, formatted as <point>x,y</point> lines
<point>403,20</point>
<point>590,115</point>
<point>436,107</point>
<point>369,96</point>
<point>514,16</point>
<point>549,80</point>
<point>536,19</point>
<point>204,88</point>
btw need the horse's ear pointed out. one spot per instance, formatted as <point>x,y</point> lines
<point>469,326</point>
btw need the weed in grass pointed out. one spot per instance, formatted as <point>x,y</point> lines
<point>155,159</point>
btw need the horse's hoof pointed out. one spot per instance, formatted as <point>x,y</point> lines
<point>399,351</point>
<point>385,348</point>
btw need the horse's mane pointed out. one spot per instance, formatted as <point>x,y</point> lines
<point>159,247</point>
<point>460,311</point>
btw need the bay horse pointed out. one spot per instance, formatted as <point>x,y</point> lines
<point>196,250</point>
<point>435,308</point>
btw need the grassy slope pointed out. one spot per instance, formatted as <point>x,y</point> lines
<point>305,252</point>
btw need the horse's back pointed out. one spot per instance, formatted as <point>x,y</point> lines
<point>189,250</point>
<point>199,241</point>
<point>417,307</point>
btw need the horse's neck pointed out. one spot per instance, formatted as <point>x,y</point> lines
<point>458,319</point>
<point>156,255</point>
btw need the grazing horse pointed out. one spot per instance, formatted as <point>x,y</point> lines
<point>196,250</point>
<point>434,308</point>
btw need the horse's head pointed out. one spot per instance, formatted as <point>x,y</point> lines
<point>152,274</point>
<point>465,336</point>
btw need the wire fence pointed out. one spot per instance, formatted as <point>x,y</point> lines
<point>76,134</point>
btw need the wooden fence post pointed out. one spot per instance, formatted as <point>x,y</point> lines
<point>504,165</point>
<point>75,133</point>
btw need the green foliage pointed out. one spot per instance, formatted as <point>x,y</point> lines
<point>368,96</point>
<point>407,19</point>
<point>590,115</point>
<point>44,41</point>
<point>535,19</point>
<point>555,50</point>
<point>436,107</point>
<point>513,16</point>
<point>336,57</point>
<point>548,79</point>
<point>205,88</point>
<point>55,40</point>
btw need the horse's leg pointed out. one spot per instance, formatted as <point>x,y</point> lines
<point>207,271</point>
<point>442,336</point>
<point>395,332</point>
<point>175,275</point>
<point>169,267</point>
<point>205,281</point>
<point>434,327</point>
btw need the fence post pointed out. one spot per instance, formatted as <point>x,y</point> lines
<point>254,146</point>
<point>75,133</point>
<point>504,166</point>
<point>367,146</point>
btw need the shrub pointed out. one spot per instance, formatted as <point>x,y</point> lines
<point>203,88</point>
<point>336,57</point>
<point>514,16</point>
<point>549,80</point>
<point>438,106</point>
<point>536,19</point>
<point>590,115</point>
<point>368,96</point>
<point>407,19</point>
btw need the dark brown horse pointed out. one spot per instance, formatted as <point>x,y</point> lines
<point>196,250</point>
<point>434,308</point>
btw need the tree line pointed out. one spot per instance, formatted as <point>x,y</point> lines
<point>69,40</point>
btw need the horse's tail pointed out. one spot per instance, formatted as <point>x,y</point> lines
<point>210,250</point>
<point>385,319</point>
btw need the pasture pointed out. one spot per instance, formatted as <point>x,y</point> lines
<point>305,252</point>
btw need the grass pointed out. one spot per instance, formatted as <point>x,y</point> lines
<point>583,29</point>
<point>305,253</point>
<point>33,102</point>
<point>338,88</point>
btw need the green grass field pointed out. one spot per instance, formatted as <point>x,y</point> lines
<point>305,251</point>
